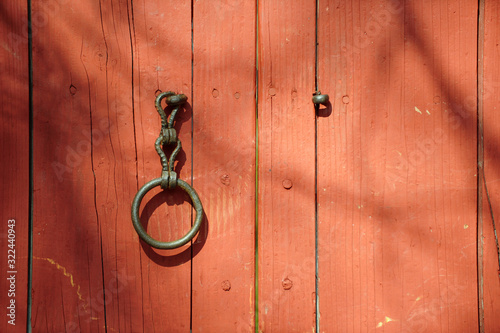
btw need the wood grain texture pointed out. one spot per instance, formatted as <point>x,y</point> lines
<point>14,169</point>
<point>224,165</point>
<point>286,202</point>
<point>161,39</point>
<point>67,270</point>
<point>110,84</point>
<point>490,279</point>
<point>95,126</point>
<point>397,166</point>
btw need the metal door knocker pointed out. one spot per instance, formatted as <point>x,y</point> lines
<point>168,179</point>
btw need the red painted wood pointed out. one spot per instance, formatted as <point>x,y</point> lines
<point>113,164</point>
<point>162,61</point>
<point>490,284</point>
<point>14,169</point>
<point>397,166</point>
<point>286,203</point>
<point>97,67</point>
<point>397,162</point>
<point>67,269</point>
<point>224,165</point>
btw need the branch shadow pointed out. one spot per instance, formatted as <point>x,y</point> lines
<point>169,258</point>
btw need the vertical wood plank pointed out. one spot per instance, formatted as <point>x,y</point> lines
<point>397,166</point>
<point>67,271</point>
<point>160,35</point>
<point>490,279</point>
<point>14,169</point>
<point>224,165</point>
<point>97,67</point>
<point>110,84</point>
<point>286,203</point>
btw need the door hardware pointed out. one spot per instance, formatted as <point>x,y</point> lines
<point>319,98</point>
<point>168,179</point>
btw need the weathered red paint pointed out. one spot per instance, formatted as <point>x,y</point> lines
<point>286,242</point>
<point>397,166</point>
<point>14,169</point>
<point>390,167</point>
<point>224,165</point>
<point>489,282</point>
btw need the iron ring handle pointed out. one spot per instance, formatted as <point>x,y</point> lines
<point>140,229</point>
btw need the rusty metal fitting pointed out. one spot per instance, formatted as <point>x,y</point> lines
<point>168,179</point>
<point>169,136</point>
<point>174,100</point>
<point>319,98</point>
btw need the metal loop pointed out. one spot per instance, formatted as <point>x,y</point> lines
<point>168,179</point>
<point>172,100</point>
<point>163,116</point>
<point>142,232</point>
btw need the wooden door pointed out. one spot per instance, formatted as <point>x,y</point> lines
<point>374,212</point>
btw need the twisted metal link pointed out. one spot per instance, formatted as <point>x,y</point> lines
<point>168,135</point>
<point>168,179</point>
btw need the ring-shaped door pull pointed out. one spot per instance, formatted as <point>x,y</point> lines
<point>136,204</point>
<point>168,179</point>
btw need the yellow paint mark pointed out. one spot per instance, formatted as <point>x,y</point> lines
<point>65,273</point>
<point>466,226</point>
<point>386,320</point>
<point>416,109</point>
<point>427,111</point>
<point>418,298</point>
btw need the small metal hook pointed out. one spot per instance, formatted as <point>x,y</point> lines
<point>319,98</point>
<point>172,99</point>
